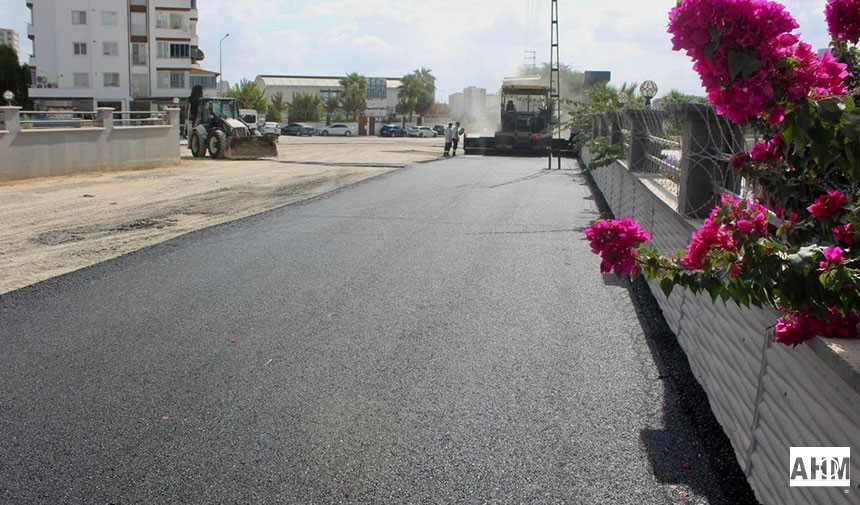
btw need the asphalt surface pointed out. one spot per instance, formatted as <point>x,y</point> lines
<point>439,334</point>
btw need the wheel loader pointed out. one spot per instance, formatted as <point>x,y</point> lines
<point>526,120</point>
<point>215,126</point>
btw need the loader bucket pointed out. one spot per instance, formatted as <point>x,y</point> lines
<point>248,148</point>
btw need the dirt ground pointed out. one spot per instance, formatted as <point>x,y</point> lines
<point>56,225</point>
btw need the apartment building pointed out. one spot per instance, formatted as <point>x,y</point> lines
<point>127,54</point>
<point>9,38</point>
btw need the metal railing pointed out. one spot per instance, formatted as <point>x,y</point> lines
<point>59,119</point>
<point>139,118</point>
<point>651,142</point>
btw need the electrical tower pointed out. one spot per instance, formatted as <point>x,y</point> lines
<point>555,72</point>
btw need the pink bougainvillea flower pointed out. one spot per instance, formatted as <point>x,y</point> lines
<point>827,205</point>
<point>796,328</point>
<point>843,20</point>
<point>743,51</point>
<point>800,326</point>
<point>776,116</point>
<point>717,233</point>
<point>616,241</point>
<point>844,234</point>
<point>737,160</point>
<point>833,255</point>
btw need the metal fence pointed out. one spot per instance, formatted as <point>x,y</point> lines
<point>684,150</point>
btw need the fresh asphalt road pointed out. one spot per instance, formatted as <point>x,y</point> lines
<point>440,334</point>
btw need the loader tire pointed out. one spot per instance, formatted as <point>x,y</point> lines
<point>217,144</point>
<point>196,146</point>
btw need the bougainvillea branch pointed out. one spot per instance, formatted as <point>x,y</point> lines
<point>793,243</point>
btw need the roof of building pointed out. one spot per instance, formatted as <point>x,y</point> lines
<point>313,81</point>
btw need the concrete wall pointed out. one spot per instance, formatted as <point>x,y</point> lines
<point>766,396</point>
<point>40,152</point>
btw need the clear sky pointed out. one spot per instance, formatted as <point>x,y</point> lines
<point>464,42</point>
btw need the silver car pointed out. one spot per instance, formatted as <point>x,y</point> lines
<point>337,129</point>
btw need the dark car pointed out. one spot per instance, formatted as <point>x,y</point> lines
<point>392,130</point>
<point>439,129</point>
<point>298,129</point>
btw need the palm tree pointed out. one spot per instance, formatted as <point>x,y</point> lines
<point>353,94</point>
<point>306,107</point>
<point>408,94</point>
<point>277,106</point>
<point>330,106</point>
<point>248,95</point>
<point>428,97</point>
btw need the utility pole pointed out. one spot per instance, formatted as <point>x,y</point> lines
<point>555,75</point>
<point>221,66</point>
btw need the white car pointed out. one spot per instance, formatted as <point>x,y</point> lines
<point>421,131</point>
<point>270,129</point>
<point>337,129</point>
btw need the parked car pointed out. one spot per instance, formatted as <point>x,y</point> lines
<point>298,129</point>
<point>270,129</point>
<point>439,129</point>
<point>392,130</point>
<point>421,131</point>
<point>337,129</point>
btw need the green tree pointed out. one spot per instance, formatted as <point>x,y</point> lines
<point>353,95</point>
<point>249,96</point>
<point>675,96</point>
<point>407,94</point>
<point>330,106</point>
<point>14,77</point>
<point>417,92</point>
<point>427,99</point>
<point>306,107</point>
<point>277,106</point>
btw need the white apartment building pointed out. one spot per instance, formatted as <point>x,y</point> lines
<point>126,54</point>
<point>9,38</point>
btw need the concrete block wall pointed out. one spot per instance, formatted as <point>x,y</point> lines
<point>41,152</point>
<point>767,397</point>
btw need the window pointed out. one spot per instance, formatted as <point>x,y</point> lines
<point>80,48</point>
<point>82,80</point>
<point>110,48</point>
<point>170,50</point>
<point>111,79</point>
<point>139,54</point>
<point>138,24</point>
<point>109,18</point>
<point>171,80</point>
<point>207,81</point>
<point>79,17</point>
<point>139,85</point>
<point>179,51</point>
<point>171,20</point>
<point>377,88</point>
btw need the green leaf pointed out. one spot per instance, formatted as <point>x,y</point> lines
<point>829,111</point>
<point>666,285</point>
<point>743,64</point>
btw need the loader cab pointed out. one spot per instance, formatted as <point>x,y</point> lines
<point>212,107</point>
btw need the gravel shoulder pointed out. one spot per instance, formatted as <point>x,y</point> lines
<point>56,225</point>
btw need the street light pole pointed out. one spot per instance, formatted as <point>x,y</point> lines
<point>221,65</point>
